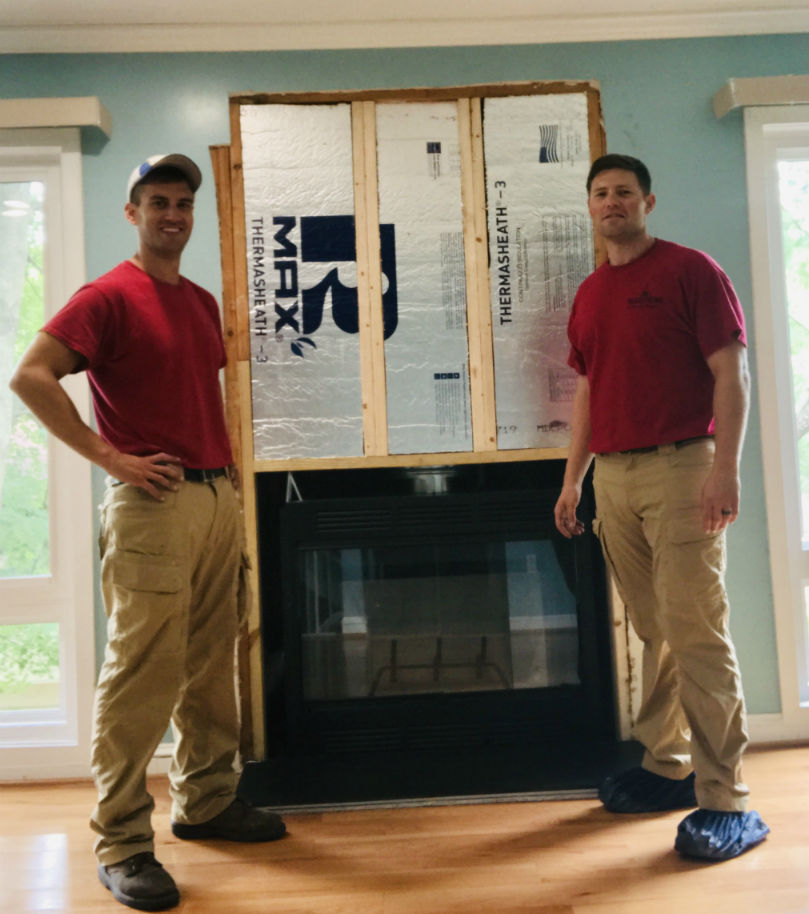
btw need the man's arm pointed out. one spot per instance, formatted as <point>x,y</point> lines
<point>578,462</point>
<point>36,382</point>
<point>731,401</point>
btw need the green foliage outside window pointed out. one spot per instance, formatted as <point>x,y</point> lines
<point>24,522</point>
<point>29,652</point>
<point>794,195</point>
<point>29,656</point>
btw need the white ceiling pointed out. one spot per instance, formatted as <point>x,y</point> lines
<point>214,25</point>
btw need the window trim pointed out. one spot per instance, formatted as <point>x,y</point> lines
<point>768,128</point>
<point>58,748</point>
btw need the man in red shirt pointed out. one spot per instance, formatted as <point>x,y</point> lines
<point>151,343</point>
<point>658,339</point>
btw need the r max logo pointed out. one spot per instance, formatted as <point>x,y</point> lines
<point>324,240</point>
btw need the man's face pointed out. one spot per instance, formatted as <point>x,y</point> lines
<point>164,217</point>
<point>618,206</point>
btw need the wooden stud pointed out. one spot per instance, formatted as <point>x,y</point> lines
<point>235,285</point>
<point>409,460</point>
<point>476,255</point>
<point>248,488</point>
<point>420,93</point>
<point>220,162</point>
<point>598,146</point>
<point>241,298</point>
<point>369,280</point>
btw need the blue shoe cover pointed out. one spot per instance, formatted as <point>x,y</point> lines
<point>638,790</point>
<point>712,835</point>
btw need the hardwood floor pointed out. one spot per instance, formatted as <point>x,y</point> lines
<point>559,857</point>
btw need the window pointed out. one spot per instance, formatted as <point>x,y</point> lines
<point>777,140</point>
<point>46,600</point>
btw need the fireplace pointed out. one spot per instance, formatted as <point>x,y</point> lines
<point>427,620</point>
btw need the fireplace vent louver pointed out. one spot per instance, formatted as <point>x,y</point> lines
<point>361,519</point>
<point>427,515</point>
<point>432,518</point>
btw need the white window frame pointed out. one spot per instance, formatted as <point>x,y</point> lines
<point>57,744</point>
<point>769,129</point>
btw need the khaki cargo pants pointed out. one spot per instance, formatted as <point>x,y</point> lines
<point>170,574</point>
<point>670,575</point>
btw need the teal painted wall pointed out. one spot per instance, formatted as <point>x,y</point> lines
<point>656,98</point>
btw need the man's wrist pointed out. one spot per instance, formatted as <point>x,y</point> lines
<point>726,466</point>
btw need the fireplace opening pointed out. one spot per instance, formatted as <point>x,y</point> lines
<point>427,631</point>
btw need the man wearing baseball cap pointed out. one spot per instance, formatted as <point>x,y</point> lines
<point>172,574</point>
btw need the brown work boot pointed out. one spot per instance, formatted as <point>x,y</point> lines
<point>237,822</point>
<point>140,882</point>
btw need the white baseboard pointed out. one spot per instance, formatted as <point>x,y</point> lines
<point>777,728</point>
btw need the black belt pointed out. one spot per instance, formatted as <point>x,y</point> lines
<point>204,475</point>
<point>654,447</point>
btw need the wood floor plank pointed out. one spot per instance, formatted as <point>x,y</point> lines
<point>568,857</point>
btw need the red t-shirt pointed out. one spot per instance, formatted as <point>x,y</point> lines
<point>154,351</point>
<point>641,333</point>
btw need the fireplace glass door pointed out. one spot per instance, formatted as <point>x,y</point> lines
<point>434,616</point>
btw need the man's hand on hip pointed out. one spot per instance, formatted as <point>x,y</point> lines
<point>155,474</point>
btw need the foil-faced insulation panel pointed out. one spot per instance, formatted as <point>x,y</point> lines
<point>426,347</point>
<point>537,155</point>
<point>302,279</point>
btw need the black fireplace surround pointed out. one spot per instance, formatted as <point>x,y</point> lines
<point>428,633</point>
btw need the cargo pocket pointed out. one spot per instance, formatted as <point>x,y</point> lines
<point>143,598</point>
<point>693,567</point>
<point>145,576</point>
<point>685,532</point>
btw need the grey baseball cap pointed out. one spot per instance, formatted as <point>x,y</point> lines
<point>175,160</point>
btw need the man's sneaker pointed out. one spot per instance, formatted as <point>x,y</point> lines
<point>237,822</point>
<point>140,882</point>
<point>639,790</point>
<point>712,835</point>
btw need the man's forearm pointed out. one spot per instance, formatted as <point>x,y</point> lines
<point>49,402</point>
<point>579,456</point>
<point>731,403</point>
<point>721,492</point>
<point>578,460</point>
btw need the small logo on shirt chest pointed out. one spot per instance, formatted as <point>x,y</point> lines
<point>645,300</point>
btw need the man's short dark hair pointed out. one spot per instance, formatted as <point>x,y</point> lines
<point>625,163</point>
<point>163,174</point>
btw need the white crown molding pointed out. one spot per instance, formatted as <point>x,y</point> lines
<point>258,36</point>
